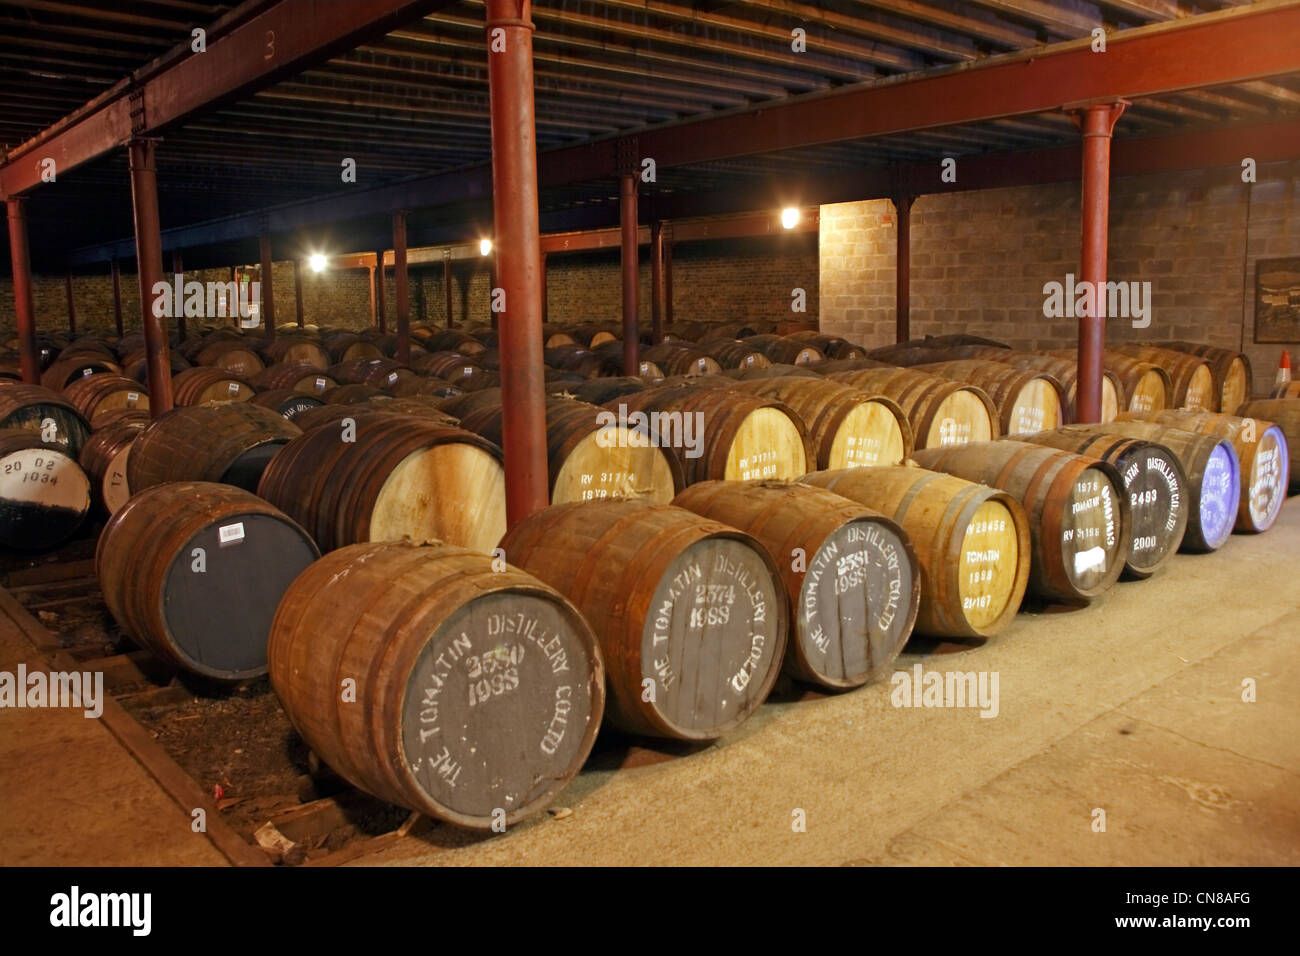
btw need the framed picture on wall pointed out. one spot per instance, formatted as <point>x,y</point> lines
<point>1277,300</point>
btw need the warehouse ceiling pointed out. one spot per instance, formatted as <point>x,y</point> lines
<point>415,100</point>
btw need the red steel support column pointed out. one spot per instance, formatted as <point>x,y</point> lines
<point>297,292</point>
<point>24,312</point>
<point>117,295</point>
<point>402,306</point>
<point>545,305</point>
<point>372,297</point>
<point>446,287</point>
<point>1096,120</point>
<point>268,287</point>
<point>903,270</point>
<point>518,254</point>
<point>668,279</point>
<point>72,307</point>
<point>148,255</point>
<point>178,268</point>
<point>628,257</point>
<point>656,282</point>
<point>381,316</point>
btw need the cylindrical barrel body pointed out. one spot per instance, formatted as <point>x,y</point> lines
<point>95,395</point>
<point>230,444</point>
<point>1285,413</point>
<point>44,494</point>
<point>299,376</point>
<point>203,385</point>
<point>47,413</point>
<point>1230,370</point>
<point>1027,400</point>
<point>1193,383</point>
<point>104,460</point>
<point>941,411</point>
<point>1113,399</point>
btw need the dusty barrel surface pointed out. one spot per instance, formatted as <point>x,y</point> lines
<point>1213,478</point>
<point>1157,489</point>
<point>718,432</point>
<point>46,413</point>
<point>44,494</point>
<point>1193,383</point>
<point>104,459</point>
<point>299,376</point>
<point>1285,413</point>
<point>194,571</point>
<point>230,444</point>
<point>1028,400</point>
<point>971,543</point>
<point>95,395</point>
<point>377,476</point>
<point>485,691</point>
<point>690,613</point>
<point>1230,371</point>
<point>286,401</point>
<point>850,574</point>
<point>65,371</point>
<point>1262,453</point>
<point>846,426</point>
<point>1079,523</point>
<point>203,384</point>
<point>941,411</point>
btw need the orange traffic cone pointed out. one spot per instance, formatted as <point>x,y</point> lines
<point>1283,372</point>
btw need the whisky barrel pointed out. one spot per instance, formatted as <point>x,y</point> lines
<point>202,384</point>
<point>971,543</point>
<point>39,409</point>
<point>345,346</point>
<point>676,359</point>
<point>454,340</point>
<point>647,368</point>
<point>104,459</point>
<point>590,334</point>
<point>456,369</point>
<point>1027,400</point>
<point>778,370</point>
<point>237,358</point>
<point>1067,373</point>
<point>784,350</point>
<point>1080,527</point>
<point>717,331</point>
<point>830,346</point>
<point>846,426</point>
<point>378,372</point>
<point>490,693</point>
<point>590,455</point>
<point>730,354</point>
<point>717,432</point>
<point>940,410</point>
<point>1230,371</point>
<point>1213,478</point>
<point>425,386</point>
<point>288,349</point>
<point>194,572</point>
<point>230,444</point>
<point>286,401</point>
<point>1154,481</point>
<point>690,613</point>
<point>1285,413</point>
<point>850,574</point>
<point>1146,387</point>
<point>598,391</point>
<point>397,478</point>
<point>1194,387</point>
<point>96,395</point>
<point>299,376</point>
<point>136,365</point>
<point>67,370</point>
<point>44,494</point>
<point>351,394</point>
<point>1262,453</point>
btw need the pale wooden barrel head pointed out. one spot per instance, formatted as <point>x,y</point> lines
<point>114,490</point>
<point>119,399</point>
<point>44,497</point>
<point>1200,390</point>
<point>1266,485</point>
<point>1149,394</point>
<point>316,385</point>
<point>1236,387</point>
<point>614,462</point>
<point>490,708</point>
<point>1109,399</point>
<point>1091,531</point>
<point>712,643</point>
<point>224,393</point>
<point>766,445</point>
<point>600,338</point>
<point>452,492</point>
<point>986,573</point>
<point>869,435</point>
<point>960,419</point>
<point>1037,407</point>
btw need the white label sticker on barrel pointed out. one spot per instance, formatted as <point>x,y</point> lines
<point>233,388</point>
<point>85,372</point>
<point>1093,559</point>
<point>132,398</point>
<point>320,385</point>
<point>231,533</point>
<point>392,377</point>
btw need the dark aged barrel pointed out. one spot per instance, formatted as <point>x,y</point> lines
<point>397,478</point>
<point>831,346</point>
<point>490,695</point>
<point>677,359</point>
<point>1193,382</point>
<point>941,411</point>
<point>1262,453</point>
<point>425,385</point>
<point>1213,478</point>
<point>381,372</point>
<point>238,359</point>
<point>734,354</point>
<point>44,495</point>
<point>345,346</point>
<point>202,385</point>
<point>1285,413</point>
<point>690,614</point>
<point>1027,400</point>
<point>612,354</point>
<point>299,376</point>
<point>1079,523</point>
<point>1146,387</point>
<point>230,444</point>
<point>194,572</point>
<point>850,574</point>
<point>296,350</point>
<point>847,427</point>
<point>784,350</point>
<point>971,543</point>
<point>286,401</point>
<point>1113,399</point>
<point>95,395</point>
<point>45,412</point>
<point>135,365</point>
<point>66,370</point>
<point>718,432</point>
<point>1154,482</point>
<point>104,459</point>
<point>589,455</point>
<point>1230,370</point>
<point>773,371</point>
<point>598,391</point>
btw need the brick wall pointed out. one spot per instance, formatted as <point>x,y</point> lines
<point>980,259</point>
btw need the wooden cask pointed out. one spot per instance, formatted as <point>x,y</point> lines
<point>690,613</point>
<point>1147,387</point>
<point>204,385</point>
<point>47,413</point>
<point>288,349</point>
<point>731,354</point>
<point>598,391</point>
<point>831,346</point>
<point>397,478</point>
<point>378,372</point>
<point>194,572</point>
<point>230,444</point>
<point>1230,371</point>
<point>136,366</point>
<point>345,346</point>
<point>776,370</point>
<point>1285,413</point>
<point>1080,528</point>
<point>1154,481</point>
<point>718,432</point>
<point>675,359</point>
<point>299,376</point>
<point>717,331</point>
<point>44,494</point>
<point>612,354</point>
<point>490,693</point>
<point>1193,383</point>
<point>1027,400</point>
<point>104,459</point>
<point>421,386</point>
<point>590,455</point>
<point>1113,399</point>
<point>1213,478</point>
<point>67,370</point>
<point>286,401</point>
<point>96,395</point>
<point>784,350</point>
<point>237,358</point>
<point>850,575</point>
<point>847,427</point>
<point>1262,453</point>
<point>971,543</point>
<point>940,410</point>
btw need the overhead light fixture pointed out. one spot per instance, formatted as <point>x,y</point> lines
<point>317,262</point>
<point>789,217</point>
<point>484,246</point>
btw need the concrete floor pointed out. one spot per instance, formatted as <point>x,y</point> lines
<point>1132,706</point>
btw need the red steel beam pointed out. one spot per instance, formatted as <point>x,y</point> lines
<point>518,253</point>
<point>29,355</point>
<point>903,269</point>
<point>243,55</point>
<point>402,305</point>
<point>545,304</point>
<point>72,306</point>
<point>656,281</point>
<point>668,279</point>
<point>381,310</point>
<point>372,297</point>
<point>148,240</point>
<point>178,268</point>
<point>268,286</point>
<point>117,296</point>
<point>628,259</point>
